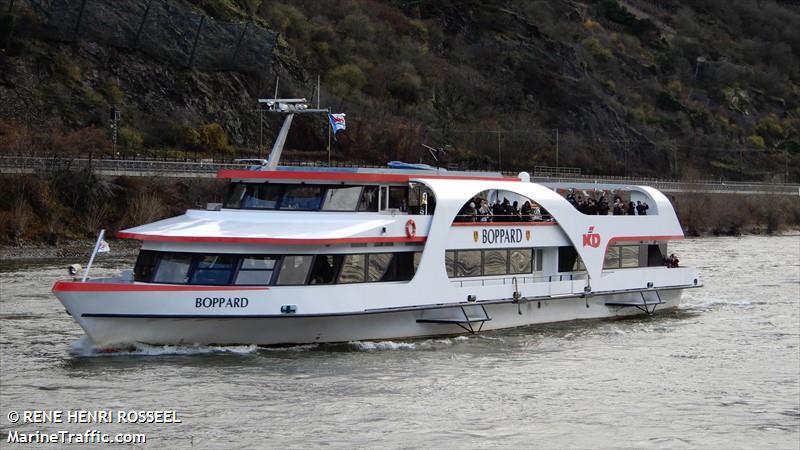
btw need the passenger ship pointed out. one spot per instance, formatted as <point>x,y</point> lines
<point>299,256</point>
<point>330,255</point>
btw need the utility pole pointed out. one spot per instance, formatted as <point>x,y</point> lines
<point>556,148</point>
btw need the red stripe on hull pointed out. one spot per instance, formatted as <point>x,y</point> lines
<point>89,286</point>
<point>277,241</point>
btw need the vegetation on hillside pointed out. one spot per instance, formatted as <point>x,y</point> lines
<point>701,89</point>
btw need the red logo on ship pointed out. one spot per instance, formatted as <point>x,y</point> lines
<point>591,238</point>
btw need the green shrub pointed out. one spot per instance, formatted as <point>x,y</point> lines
<point>210,137</point>
<point>756,141</point>
<point>129,139</point>
<point>346,80</point>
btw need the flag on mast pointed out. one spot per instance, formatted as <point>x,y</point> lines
<point>103,247</point>
<point>337,122</point>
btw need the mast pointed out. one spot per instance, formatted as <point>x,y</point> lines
<point>287,107</point>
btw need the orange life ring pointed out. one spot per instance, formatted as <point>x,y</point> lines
<point>411,228</point>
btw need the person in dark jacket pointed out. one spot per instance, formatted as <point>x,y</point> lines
<point>641,209</point>
<point>631,209</point>
<point>602,206</point>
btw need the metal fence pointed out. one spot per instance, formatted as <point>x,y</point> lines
<point>168,31</point>
<point>209,168</point>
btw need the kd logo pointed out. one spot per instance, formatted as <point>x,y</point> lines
<point>591,238</point>
<point>475,236</point>
<point>527,235</point>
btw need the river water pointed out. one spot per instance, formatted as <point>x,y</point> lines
<point>723,371</point>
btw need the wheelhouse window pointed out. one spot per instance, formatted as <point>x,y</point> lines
<point>263,196</point>
<point>302,197</point>
<point>414,199</point>
<point>369,199</point>
<point>345,198</point>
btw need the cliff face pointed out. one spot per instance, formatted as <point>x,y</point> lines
<point>701,89</point>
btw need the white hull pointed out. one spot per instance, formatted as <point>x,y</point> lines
<point>289,329</point>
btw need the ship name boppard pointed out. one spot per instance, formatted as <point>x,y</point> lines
<point>221,302</point>
<point>501,236</point>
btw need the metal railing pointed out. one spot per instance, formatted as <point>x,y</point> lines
<point>483,282</point>
<point>144,166</point>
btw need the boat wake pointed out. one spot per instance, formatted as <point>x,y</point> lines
<point>85,348</point>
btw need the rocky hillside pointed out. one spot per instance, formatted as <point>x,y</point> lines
<point>708,88</point>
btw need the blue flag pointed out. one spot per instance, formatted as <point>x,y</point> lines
<point>337,122</point>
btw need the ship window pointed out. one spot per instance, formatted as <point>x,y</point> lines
<point>567,259</point>
<point>213,269</point>
<point>612,258</point>
<point>520,261</point>
<point>256,270</point>
<point>173,268</point>
<point>369,199</point>
<point>629,256</point>
<point>343,198</point>
<point>655,257</point>
<point>495,262</point>
<point>145,263</point>
<point>402,268</point>
<point>235,195</point>
<point>539,260</point>
<point>353,269</point>
<point>397,198</point>
<point>324,271</point>
<point>378,266</point>
<point>468,263</point>
<point>262,196</point>
<point>449,263</point>
<point>294,269</point>
<point>417,259</point>
<point>302,197</point>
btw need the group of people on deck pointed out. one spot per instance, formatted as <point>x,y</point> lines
<point>600,206</point>
<point>479,210</point>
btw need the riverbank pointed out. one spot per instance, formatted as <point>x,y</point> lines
<point>80,250</point>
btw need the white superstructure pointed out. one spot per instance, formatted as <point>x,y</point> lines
<point>331,255</point>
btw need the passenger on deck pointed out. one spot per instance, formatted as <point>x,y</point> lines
<point>526,211</point>
<point>537,213</point>
<point>514,211</point>
<point>602,205</point>
<point>631,208</point>
<point>671,261</point>
<point>484,212</point>
<point>571,199</point>
<point>619,207</point>
<point>641,208</point>
<point>470,213</point>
